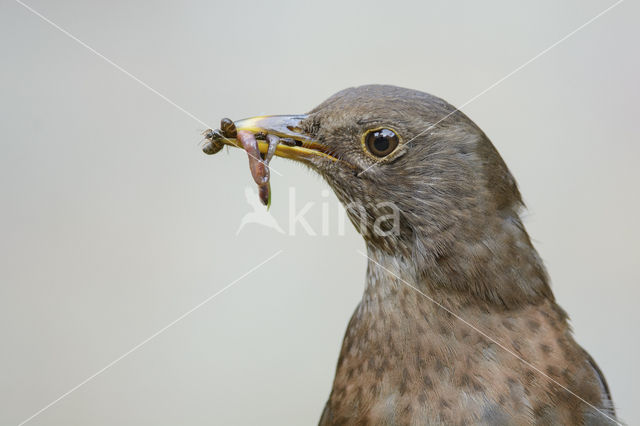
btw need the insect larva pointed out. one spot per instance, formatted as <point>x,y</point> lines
<point>259,169</point>
<point>258,164</point>
<point>273,142</point>
<point>264,192</point>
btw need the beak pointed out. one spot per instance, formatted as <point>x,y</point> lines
<point>294,143</point>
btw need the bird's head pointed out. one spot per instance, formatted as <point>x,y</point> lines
<point>418,178</point>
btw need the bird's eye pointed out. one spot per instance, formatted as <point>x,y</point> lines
<point>381,142</point>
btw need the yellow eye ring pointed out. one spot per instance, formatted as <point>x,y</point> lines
<point>380,142</point>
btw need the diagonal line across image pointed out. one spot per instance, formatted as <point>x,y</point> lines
<point>151,337</point>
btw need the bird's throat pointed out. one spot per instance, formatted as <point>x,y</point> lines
<point>498,267</point>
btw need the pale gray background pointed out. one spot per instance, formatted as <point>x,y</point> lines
<point>113,223</point>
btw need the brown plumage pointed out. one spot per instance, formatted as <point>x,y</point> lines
<point>457,324</point>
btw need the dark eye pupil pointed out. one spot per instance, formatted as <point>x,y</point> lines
<point>381,142</point>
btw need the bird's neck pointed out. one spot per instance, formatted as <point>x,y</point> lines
<point>496,267</point>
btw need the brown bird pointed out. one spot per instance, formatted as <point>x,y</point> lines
<point>457,324</point>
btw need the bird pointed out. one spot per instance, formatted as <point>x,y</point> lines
<point>457,323</point>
